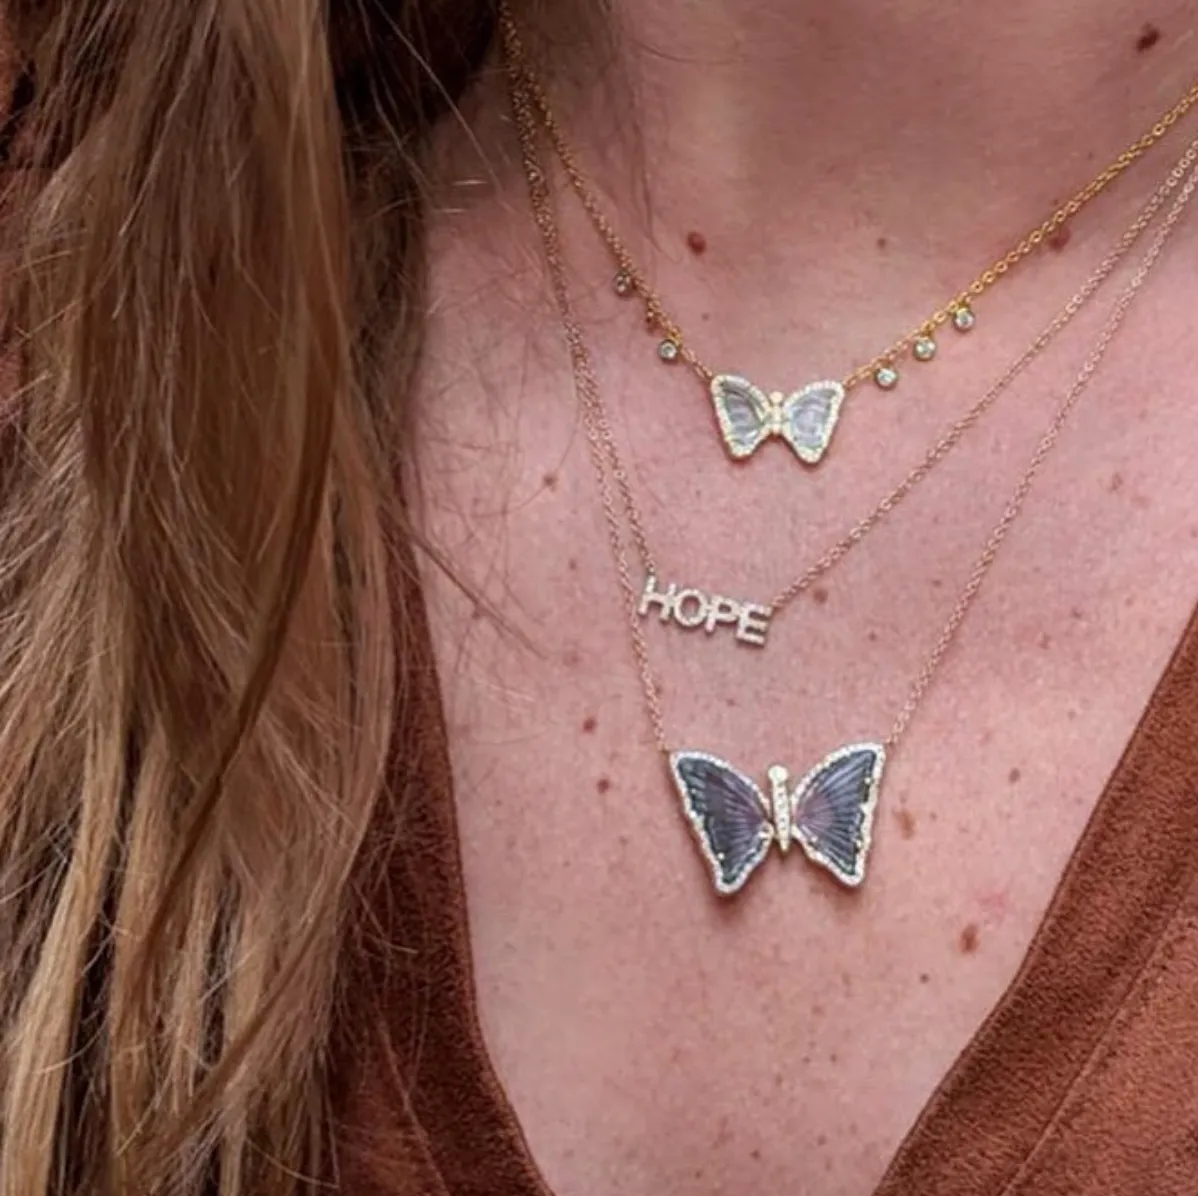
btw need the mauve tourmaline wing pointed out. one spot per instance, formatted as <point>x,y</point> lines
<point>728,814</point>
<point>834,809</point>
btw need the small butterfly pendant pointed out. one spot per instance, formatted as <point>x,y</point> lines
<point>749,416</point>
<point>829,814</point>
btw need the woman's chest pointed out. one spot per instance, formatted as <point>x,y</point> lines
<point>653,1036</point>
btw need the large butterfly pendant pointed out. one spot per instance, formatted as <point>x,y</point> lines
<point>829,814</point>
<point>749,416</point>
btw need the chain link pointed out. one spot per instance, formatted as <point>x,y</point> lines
<point>1015,505</point>
<point>609,468</point>
<point>600,440</point>
<point>527,131</point>
<point>957,431</point>
<point>523,79</point>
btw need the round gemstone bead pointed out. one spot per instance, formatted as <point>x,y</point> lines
<point>924,348</point>
<point>668,350</point>
<point>964,319</point>
<point>623,284</point>
<point>886,376</point>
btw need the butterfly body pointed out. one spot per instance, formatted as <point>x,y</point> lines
<point>828,814</point>
<point>747,416</point>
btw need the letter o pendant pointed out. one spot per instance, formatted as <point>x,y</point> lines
<point>690,619</point>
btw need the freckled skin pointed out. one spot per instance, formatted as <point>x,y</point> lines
<point>968,943</point>
<point>597,931</point>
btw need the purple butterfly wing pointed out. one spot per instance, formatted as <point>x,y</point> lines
<point>834,809</point>
<point>727,813</point>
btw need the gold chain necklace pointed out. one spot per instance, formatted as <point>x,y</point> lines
<point>829,814</point>
<point>747,416</point>
<point>690,608</point>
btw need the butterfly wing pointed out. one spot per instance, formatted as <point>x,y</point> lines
<point>809,418</point>
<point>728,814</point>
<point>742,411</point>
<point>834,810</point>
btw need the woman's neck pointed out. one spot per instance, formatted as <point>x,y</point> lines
<point>751,114</point>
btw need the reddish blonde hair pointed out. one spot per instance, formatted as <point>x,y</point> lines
<point>214,233</point>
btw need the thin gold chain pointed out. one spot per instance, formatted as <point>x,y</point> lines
<point>523,79</point>
<point>957,431</point>
<point>603,452</point>
<point>977,576</point>
<point>526,130</point>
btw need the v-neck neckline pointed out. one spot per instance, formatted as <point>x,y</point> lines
<point>1125,878</point>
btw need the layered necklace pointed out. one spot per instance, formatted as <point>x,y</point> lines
<point>746,415</point>
<point>828,812</point>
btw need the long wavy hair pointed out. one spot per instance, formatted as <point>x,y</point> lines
<point>212,221</point>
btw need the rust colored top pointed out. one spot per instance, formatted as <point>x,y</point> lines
<point>1083,1081</point>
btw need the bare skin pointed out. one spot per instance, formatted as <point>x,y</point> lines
<point>651,1038</point>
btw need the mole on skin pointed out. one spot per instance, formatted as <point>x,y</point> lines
<point>1148,38</point>
<point>1060,238</point>
<point>696,242</point>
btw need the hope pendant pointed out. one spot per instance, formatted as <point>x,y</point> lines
<point>691,609</point>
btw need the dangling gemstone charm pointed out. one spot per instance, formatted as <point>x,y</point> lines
<point>964,319</point>
<point>668,351</point>
<point>623,284</point>
<point>924,348</point>
<point>886,377</point>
